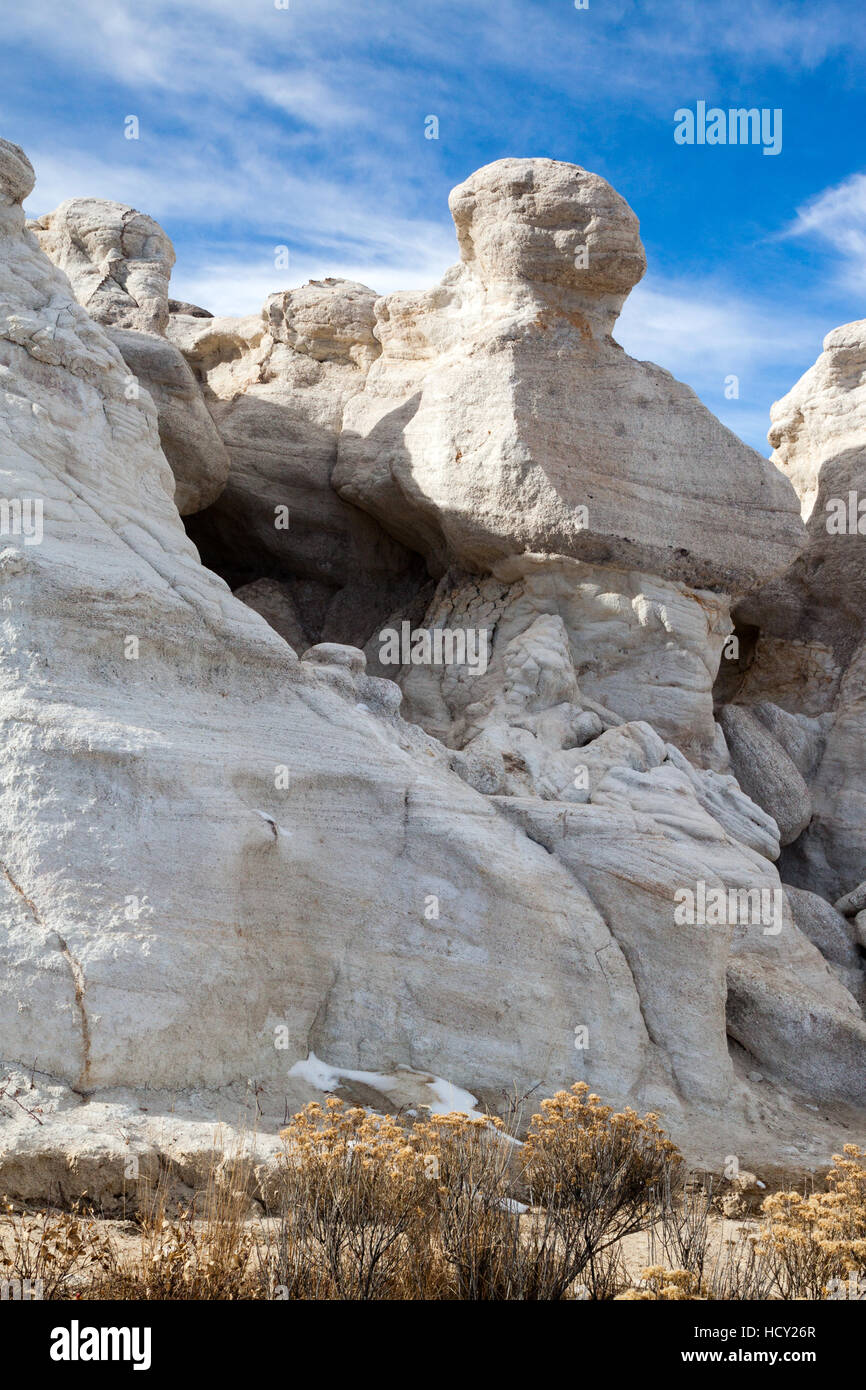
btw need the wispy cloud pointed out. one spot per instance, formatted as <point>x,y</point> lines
<point>240,286</point>
<point>304,127</point>
<point>837,217</point>
<point>704,335</point>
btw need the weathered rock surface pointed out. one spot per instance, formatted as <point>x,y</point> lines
<point>299,906</point>
<point>818,435</point>
<point>825,927</point>
<point>274,603</point>
<point>765,771</point>
<point>853,903</point>
<point>629,646</point>
<point>500,406</point>
<point>222,862</point>
<point>118,261</point>
<point>276,386</point>
<point>189,439</point>
<point>810,657</point>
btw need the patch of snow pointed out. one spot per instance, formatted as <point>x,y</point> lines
<point>450,1098</point>
<point>512,1204</point>
<point>445,1098</point>
<point>327,1078</point>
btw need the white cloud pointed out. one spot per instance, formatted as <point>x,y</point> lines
<point>317,59</point>
<point>240,287</point>
<point>837,217</point>
<point>703,334</point>
<point>710,331</point>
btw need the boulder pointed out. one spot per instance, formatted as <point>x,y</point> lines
<point>190,441</point>
<point>825,927</point>
<point>274,603</point>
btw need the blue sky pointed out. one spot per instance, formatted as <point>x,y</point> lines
<point>305,127</point>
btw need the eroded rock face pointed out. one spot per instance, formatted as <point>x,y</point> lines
<point>810,658</point>
<point>118,261</point>
<point>189,439</point>
<point>818,434</point>
<point>574,637</point>
<point>276,386</point>
<point>216,843</point>
<point>188,908</point>
<point>765,771</point>
<point>501,417</point>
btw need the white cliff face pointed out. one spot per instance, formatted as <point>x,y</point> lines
<point>165,906</point>
<point>218,858</point>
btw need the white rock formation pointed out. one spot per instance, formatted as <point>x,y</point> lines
<point>119,262</point>
<point>222,862</point>
<point>156,931</point>
<point>811,658</point>
<point>502,418</point>
<point>637,647</point>
<point>276,385</point>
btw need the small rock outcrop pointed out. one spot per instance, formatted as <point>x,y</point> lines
<point>118,261</point>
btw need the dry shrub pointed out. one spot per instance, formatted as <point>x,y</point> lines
<point>683,1231</point>
<point>600,1173</point>
<point>355,1204</point>
<point>50,1251</point>
<point>370,1207</point>
<point>813,1240</point>
<point>473,1220</point>
<point>202,1252</point>
<point>665,1285</point>
<point>492,1246</point>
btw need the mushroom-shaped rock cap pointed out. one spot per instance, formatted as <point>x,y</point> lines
<point>17,178</point>
<point>552,224</point>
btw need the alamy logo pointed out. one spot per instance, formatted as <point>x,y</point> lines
<point>714,907</point>
<point>437,646</point>
<point>846,517</point>
<point>77,1343</point>
<point>22,516</point>
<point>21,1290</point>
<point>853,1287</point>
<point>737,126</point>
